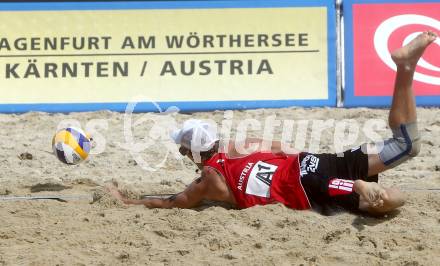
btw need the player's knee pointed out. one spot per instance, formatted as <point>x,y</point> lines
<point>404,145</point>
<point>396,198</point>
<point>412,138</point>
<point>415,148</point>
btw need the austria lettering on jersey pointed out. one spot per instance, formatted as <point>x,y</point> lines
<point>243,175</point>
<point>262,178</point>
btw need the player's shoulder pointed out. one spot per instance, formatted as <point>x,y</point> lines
<point>216,185</point>
<point>210,172</point>
<point>212,176</point>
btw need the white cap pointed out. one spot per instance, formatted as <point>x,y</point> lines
<point>196,135</point>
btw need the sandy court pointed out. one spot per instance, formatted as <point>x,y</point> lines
<point>76,232</point>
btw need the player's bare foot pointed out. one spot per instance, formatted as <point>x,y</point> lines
<point>408,55</point>
<point>371,192</point>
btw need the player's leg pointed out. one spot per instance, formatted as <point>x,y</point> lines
<point>328,179</point>
<point>402,116</point>
<point>404,144</point>
<point>375,199</point>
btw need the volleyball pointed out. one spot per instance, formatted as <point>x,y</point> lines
<point>71,145</point>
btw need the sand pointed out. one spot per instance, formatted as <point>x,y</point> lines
<point>98,230</point>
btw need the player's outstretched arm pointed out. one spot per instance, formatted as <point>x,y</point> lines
<point>189,198</point>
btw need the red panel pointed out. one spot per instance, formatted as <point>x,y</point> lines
<point>372,76</point>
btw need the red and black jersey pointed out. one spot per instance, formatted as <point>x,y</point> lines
<point>262,178</point>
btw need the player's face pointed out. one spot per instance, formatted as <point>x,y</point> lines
<point>184,151</point>
<point>187,152</point>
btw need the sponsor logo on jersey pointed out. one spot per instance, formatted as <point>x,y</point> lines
<point>338,186</point>
<point>260,179</point>
<point>309,164</point>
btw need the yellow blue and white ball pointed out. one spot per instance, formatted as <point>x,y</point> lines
<point>71,145</point>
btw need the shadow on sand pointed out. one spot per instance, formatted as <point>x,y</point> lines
<point>363,220</point>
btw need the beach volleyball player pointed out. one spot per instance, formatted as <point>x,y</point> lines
<point>302,180</point>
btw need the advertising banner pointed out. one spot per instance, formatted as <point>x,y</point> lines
<point>373,29</point>
<point>193,55</point>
